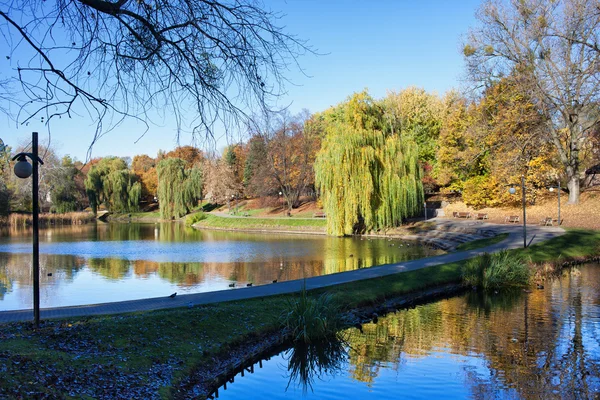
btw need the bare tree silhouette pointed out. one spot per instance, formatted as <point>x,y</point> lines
<point>205,62</point>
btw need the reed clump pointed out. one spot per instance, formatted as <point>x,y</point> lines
<point>45,219</point>
<point>309,319</point>
<point>496,271</point>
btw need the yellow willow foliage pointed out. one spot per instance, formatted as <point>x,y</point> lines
<point>367,178</point>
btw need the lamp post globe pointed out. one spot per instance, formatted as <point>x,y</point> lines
<point>23,169</point>
<point>512,190</point>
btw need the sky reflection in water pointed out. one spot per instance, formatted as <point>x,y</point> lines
<point>112,262</point>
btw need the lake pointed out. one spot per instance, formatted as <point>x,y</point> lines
<point>106,262</point>
<point>544,344</point>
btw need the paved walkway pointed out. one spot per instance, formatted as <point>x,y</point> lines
<point>514,240</point>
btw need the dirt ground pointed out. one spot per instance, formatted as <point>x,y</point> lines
<point>585,215</point>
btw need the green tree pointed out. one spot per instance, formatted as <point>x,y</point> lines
<point>109,182</point>
<point>64,190</point>
<point>178,189</point>
<point>368,179</point>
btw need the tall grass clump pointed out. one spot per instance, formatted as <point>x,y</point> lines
<point>309,319</point>
<point>193,218</point>
<point>496,271</point>
<point>70,218</point>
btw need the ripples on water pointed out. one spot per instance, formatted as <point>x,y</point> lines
<point>111,262</point>
<point>539,345</point>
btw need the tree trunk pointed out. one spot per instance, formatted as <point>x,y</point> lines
<point>573,186</point>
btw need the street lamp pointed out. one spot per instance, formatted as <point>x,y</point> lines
<point>24,170</point>
<point>558,195</point>
<point>512,190</point>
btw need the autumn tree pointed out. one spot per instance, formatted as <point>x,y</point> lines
<point>221,183</point>
<point>235,158</point>
<point>550,48</point>
<point>289,153</point>
<point>144,167</point>
<point>202,60</point>
<point>192,156</point>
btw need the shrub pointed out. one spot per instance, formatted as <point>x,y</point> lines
<point>480,192</point>
<point>193,218</point>
<point>310,319</point>
<point>496,271</point>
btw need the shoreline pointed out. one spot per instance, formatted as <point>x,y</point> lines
<point>206,380</point>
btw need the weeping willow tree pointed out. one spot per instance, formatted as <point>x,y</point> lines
<point>178,189</point>
<point>110,183</point>
<point>368,180</point>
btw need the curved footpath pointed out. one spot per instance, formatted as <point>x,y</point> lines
<point>535,234</point>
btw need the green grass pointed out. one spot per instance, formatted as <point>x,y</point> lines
<point>477,244</point>
<point>576,243</point>
<point>136,215</point>
<point>191,219</point>
<point>285,223</point>
<point>186,339</point>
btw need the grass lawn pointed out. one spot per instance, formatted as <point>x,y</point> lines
<point>477,244</point>
<point>138,354</point>
<point>213,221</point>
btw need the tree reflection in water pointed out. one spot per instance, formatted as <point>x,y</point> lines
<point>307,362</point>
<point>535,345</point>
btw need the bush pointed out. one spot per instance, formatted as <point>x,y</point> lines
<point>193,218</point>
<point>496,271</point>
<point>310,319</point>
<point>480,192</point>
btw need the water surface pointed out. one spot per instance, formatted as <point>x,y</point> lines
<point>539,345</point>
<point>99,263</point>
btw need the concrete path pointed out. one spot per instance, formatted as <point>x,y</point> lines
<point>515,240</point>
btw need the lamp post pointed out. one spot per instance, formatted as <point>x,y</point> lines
<point>24,170</point>
<point>558,196</point>
<point>281,199</point>
<point>512,190</point>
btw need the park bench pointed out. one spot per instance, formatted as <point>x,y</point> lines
<point>549,221</point>
<point>512,219</point>
<point>546,221</point>
<point>481,216</point>
<point>319,214</point>
<point>460,214</point>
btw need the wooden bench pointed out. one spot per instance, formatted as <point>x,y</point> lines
<point>548,221</point>
<point>460,214</point>
<point>319,215</point>
<point>512,219</point>
<point>481,216</point>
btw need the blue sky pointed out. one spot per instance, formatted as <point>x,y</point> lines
<point>380,45</point>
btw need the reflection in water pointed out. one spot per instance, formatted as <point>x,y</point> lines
<point>109,262</point>
<point>307,362</point>
<point>539,345</point>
